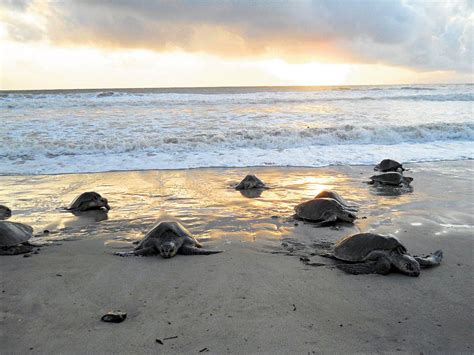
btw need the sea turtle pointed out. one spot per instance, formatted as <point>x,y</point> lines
<point>88,201</point>
<point>335,196</point>
<point>392,178</point>
<point>5,212</point>
<point>14,237</point>
<point>324,211</point>
<point>369,253</point>
<point>168,238</point>
<point>250,182</point>
<point>389,165</point>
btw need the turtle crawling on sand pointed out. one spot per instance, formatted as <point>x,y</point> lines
<point>168,239</point>
<point>335,196</point>
<point>14,238</point>
<point>88,201</point>
<point>368,253</point>
<point>5,212</point>
<point>389,165</point>
<point>391,178</point>
<point>324,211</point>
<point>250,182</point>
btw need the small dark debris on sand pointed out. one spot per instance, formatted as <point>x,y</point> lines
<point>170,338</point>
<point>114,317</point>
<point>294,307</point>
<point>159,341</point>
<point>204,349</point>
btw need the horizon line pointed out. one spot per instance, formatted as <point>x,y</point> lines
<point>233,87</point>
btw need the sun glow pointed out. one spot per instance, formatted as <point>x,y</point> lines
<point>42,66</point>
<point>312,73</point>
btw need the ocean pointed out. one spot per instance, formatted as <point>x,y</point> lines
<point>75,131</point>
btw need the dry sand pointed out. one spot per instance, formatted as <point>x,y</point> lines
<point>251,298</point>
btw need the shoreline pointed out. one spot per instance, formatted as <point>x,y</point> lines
<point>238,167</point>
<point>252,298</point>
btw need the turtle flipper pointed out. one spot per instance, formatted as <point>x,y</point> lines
<point>139,252</point>
<point>351,208</point>
<point>192,250</point>
<point>327,255</point>
<point>381,266</point>
<point>17,249</point>
<point>430,260</point>
<point>125,253</point>
<point>331,219</point>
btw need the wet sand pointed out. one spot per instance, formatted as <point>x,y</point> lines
<point>252,298</point>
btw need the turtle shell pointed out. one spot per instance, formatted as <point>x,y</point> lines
<point>390,178</point>
<point>333,195</point>
<point>250,182</point>
<point>357,246</point>
<point>83,199</point>
<point>165,228</point>
<point>313,210</point>
<point>388,165</point>
<point>13,233</point>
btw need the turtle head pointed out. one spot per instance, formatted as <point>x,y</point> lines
<point>407,179</point>
<point>168,249</point>
<point>406,264</point>
<point>348,216</point>
<point>98,202</point>
<point>105,203</point>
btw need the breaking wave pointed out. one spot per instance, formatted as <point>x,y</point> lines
<point>146,141</point>
<point>100,130</point>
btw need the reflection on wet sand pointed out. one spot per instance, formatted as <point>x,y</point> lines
<point>386,190</point>
<point>202,201</point>
<point>87,217</point>
<point>251,193</point>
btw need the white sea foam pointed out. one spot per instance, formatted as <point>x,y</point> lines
<point>83,131</point>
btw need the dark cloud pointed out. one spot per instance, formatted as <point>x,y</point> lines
<point>426,35</point>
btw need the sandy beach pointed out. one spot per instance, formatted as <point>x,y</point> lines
<point>253,298</point>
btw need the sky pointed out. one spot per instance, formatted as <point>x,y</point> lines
<point>68,44</point>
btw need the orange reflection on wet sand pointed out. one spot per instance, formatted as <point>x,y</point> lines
<point>204,200</point>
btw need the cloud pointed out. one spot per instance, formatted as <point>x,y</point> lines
<point>418,34</point>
